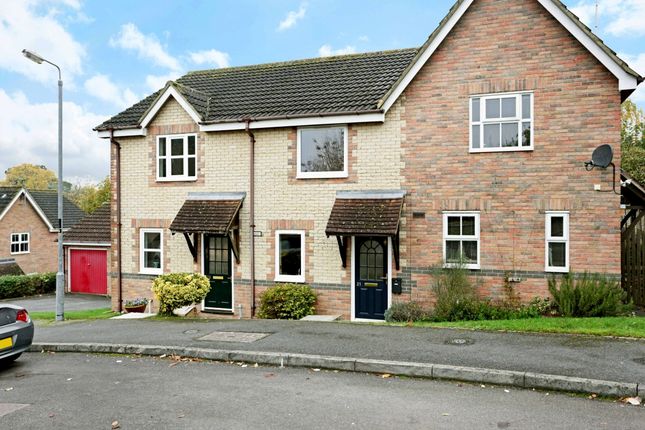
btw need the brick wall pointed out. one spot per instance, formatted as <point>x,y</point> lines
<point>23,218</point>
<point>423,148</point>
<point>504,46</point>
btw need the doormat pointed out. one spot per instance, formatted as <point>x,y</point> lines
<point>233,336</point>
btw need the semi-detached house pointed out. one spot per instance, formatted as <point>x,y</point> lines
<point>359,174</point>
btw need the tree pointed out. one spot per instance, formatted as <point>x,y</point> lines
<point>90,197</point>
<point>29,176</point>
<point>632,136</point>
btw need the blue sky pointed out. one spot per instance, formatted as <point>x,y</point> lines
<point>115,52</point>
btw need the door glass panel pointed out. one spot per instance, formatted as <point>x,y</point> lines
<point>371,252</point>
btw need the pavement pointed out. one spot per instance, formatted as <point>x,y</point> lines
<point>609,366</point>
<point>73,302</point>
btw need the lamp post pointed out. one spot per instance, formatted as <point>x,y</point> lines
<point>60,275</point>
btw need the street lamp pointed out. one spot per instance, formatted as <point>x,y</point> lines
<point>60,275</point>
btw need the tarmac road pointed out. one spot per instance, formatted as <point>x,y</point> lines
<point>79,391</point>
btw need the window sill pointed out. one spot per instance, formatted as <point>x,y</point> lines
<point>290,279</point>
<point>557,270</point>
<point>465,266</point>
<point>507,149</point>
<point>20,253</point>
<point>177,179</point>
<point>151,272</point>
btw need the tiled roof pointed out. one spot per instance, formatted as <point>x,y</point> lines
<point>363,216</point>
<point>206,216</point>
<point>94,228</point>
<point>331,85</point>
<point>47,200</point>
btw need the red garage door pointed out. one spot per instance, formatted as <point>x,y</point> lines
<point>88,269</point>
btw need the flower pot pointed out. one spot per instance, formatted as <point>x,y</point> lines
<point>138,308</point>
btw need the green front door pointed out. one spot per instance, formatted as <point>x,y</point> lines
<point>217,267</point>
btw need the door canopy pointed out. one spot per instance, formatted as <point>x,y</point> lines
<point>211,213</point>
<point>365,213</point>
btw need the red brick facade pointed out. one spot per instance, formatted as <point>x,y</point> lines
<point>23,218</point>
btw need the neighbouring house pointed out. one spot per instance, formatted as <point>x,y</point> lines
<point>29,227</point>
<point>87,246</point>
<point>359,174</point>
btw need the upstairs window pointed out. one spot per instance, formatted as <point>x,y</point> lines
<point>557,242</point>
<point>461,239</point>
<point>501,122</point>
<point>19,243</point>
<point>177,158</point>
<point>322,152</point>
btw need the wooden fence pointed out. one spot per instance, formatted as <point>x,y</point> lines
<point>633,257</point>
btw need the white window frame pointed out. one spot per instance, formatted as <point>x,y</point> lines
<point>549,239</point>
<point>168,158</point>
<point>483,121</point>
<point>324,175</point>
<point>460,237</point>
<point>142,250</point>
<point>19,242</point>
<point>303,246</point>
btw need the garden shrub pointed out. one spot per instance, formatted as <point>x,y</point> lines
<point>175,290</point>
<point>455,295</point>
<point>405,312</point>
<point>287,301</point>
<point>588,296</point>
<point>27,285</point>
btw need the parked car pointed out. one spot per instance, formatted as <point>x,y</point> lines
<point>16,332</point>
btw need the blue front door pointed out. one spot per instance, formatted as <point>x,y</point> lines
<point>371,277</point>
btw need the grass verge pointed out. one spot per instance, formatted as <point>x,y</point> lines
<point>90,314</point>
<point>607,326</point>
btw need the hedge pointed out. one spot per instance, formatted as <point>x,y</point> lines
<point>27,285</point>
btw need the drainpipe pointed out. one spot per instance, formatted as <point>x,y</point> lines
<point>252,211</point>
<point>117,178</point>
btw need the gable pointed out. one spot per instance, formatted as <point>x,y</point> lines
<point>28,199</point>
<point>174,103</point>
<point>170,113</point>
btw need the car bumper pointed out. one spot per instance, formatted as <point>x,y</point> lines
<point>21,335</point>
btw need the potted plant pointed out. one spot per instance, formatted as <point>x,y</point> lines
<point>136,305</point>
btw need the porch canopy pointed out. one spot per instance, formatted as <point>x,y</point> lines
<point>365,213</point>
<point>210,213</point>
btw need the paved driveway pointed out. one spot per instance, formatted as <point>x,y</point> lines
<point>73,302</point>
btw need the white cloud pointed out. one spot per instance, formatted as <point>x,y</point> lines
<point>293,17</point>
<point>156,82</point>
<point>101,87</point>
<point>616,17</point>
<point>328,51</point>
<point>146,46</point>
<point>364,38</point>
<point>22,27</point>
<point>211,57</point>
<point>29,135</point>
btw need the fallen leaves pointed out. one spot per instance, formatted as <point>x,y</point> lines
<point>116,425</point>
<point>634,401</point>
<point>386,375</point>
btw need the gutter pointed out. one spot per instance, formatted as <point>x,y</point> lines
<point>117,162</point>
<point>252,211</point>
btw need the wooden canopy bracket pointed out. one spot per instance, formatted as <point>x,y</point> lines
<point>234,237</point>
<point>343,242</point>
<point>395,248</point>
<point>192,244</point>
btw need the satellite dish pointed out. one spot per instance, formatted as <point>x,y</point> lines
<point>602,156</point>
